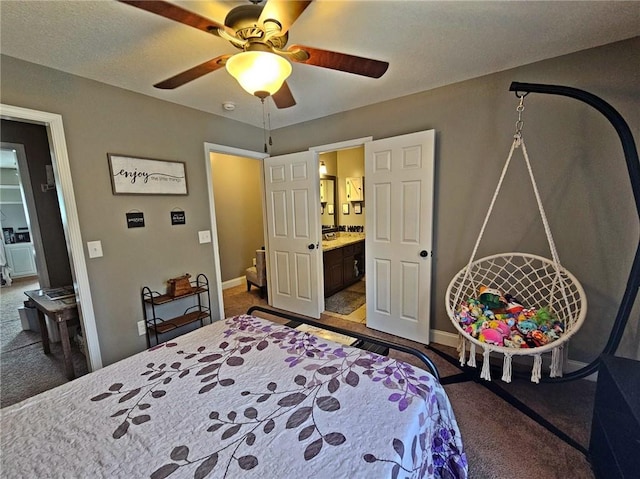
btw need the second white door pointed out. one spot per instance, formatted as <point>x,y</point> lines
<point>399,218</point>
<point>293,226</point>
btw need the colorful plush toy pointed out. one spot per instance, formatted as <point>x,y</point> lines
<point>526,326</point>
<point>539,338</point>
<point>514,306</point>
<point>491,336</point>
<point>503,321</point>
<point>515,341</point>
<point>542,316</point>
<point>492,298</point>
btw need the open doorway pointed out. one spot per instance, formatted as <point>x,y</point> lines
<point>73,249</point>
<point>237,216</point>
<point>32,228</point>
<point>342,209</point>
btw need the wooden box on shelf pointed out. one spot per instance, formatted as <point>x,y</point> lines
<point>179,286</point>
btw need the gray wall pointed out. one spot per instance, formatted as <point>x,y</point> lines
<point>577,160</point>
<point>99,119</point>
<point>575,154</point>
<point>238,199</point>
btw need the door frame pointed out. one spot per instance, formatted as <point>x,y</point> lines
<point>317,150</point>
<point>210,148</point>
<point>71,222</point>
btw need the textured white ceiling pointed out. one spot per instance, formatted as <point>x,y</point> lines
<point>428,44</point>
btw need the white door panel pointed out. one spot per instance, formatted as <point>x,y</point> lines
<point>399,186</point>
<point>291,182</point>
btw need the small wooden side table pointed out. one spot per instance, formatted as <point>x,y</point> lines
<point>60,311</point>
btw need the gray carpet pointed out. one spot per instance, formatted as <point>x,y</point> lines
<point>24,368</point>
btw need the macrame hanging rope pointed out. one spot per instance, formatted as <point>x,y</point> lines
<point>550,282</point>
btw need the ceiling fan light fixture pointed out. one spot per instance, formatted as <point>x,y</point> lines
<point>260,73</point>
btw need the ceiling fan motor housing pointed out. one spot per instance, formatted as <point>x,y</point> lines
<point>244,20</point>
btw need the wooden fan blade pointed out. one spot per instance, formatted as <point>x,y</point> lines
<point>283,97</point>
<point>285,12</point>
<point>340,61</point>
<point>193,73</point>
<point>178,14</point>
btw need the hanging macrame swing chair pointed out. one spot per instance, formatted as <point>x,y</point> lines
<point>548,304</point>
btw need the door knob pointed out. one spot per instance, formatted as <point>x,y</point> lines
<point>311,246</point>
<point>424,253</point>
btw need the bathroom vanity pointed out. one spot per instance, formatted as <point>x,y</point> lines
<point>343,258</point>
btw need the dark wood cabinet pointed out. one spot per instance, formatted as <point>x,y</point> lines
<point>614,448</point>
<point>342,267</point>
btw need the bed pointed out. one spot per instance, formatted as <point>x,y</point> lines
<point>242,397</point>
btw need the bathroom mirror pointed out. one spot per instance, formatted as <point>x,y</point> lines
<point>328,197</point>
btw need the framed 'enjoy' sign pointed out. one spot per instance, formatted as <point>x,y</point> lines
<point>145,176</point>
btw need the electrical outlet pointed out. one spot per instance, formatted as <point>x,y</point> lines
<point>141,328</point>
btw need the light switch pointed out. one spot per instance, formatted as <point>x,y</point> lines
<point>95,249</point>
<point>204,236</point>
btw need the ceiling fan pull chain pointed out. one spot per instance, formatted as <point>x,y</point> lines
<point>269,124</point>
<point>264,126</point>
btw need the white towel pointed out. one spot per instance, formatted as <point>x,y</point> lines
<point>4,265</point>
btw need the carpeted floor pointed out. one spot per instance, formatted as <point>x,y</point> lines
<point>24,368</point>
<point>500,441</point>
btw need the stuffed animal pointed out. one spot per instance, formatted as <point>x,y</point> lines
<point>491,336</point>
<point>539,338</point>
<point>542,316</point>
<point>526,326</point>
<point>491,298</point>
<point>515,341</point>
<point>514,306</point>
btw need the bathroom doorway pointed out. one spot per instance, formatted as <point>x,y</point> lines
<point>343,225</point>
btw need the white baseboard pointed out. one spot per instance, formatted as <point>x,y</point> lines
<point>446,338</point>
<point>234,282</point>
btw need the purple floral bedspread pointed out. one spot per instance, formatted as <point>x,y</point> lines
<point>244,397</point>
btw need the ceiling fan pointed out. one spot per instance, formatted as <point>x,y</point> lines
<point>261,32</point>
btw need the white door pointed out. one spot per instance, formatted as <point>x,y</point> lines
<point>399,195</point>
<point>293,225</point>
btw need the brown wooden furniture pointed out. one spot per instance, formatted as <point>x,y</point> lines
<point>60,311</point>
<point>157,325</point>
<point>343,266</point>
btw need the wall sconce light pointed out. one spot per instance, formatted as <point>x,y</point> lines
<point>323,168</point>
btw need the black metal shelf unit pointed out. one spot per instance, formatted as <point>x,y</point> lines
<point>156,326</point>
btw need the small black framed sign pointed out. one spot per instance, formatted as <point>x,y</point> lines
<point>135,219</point>
<point>178,218</point>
